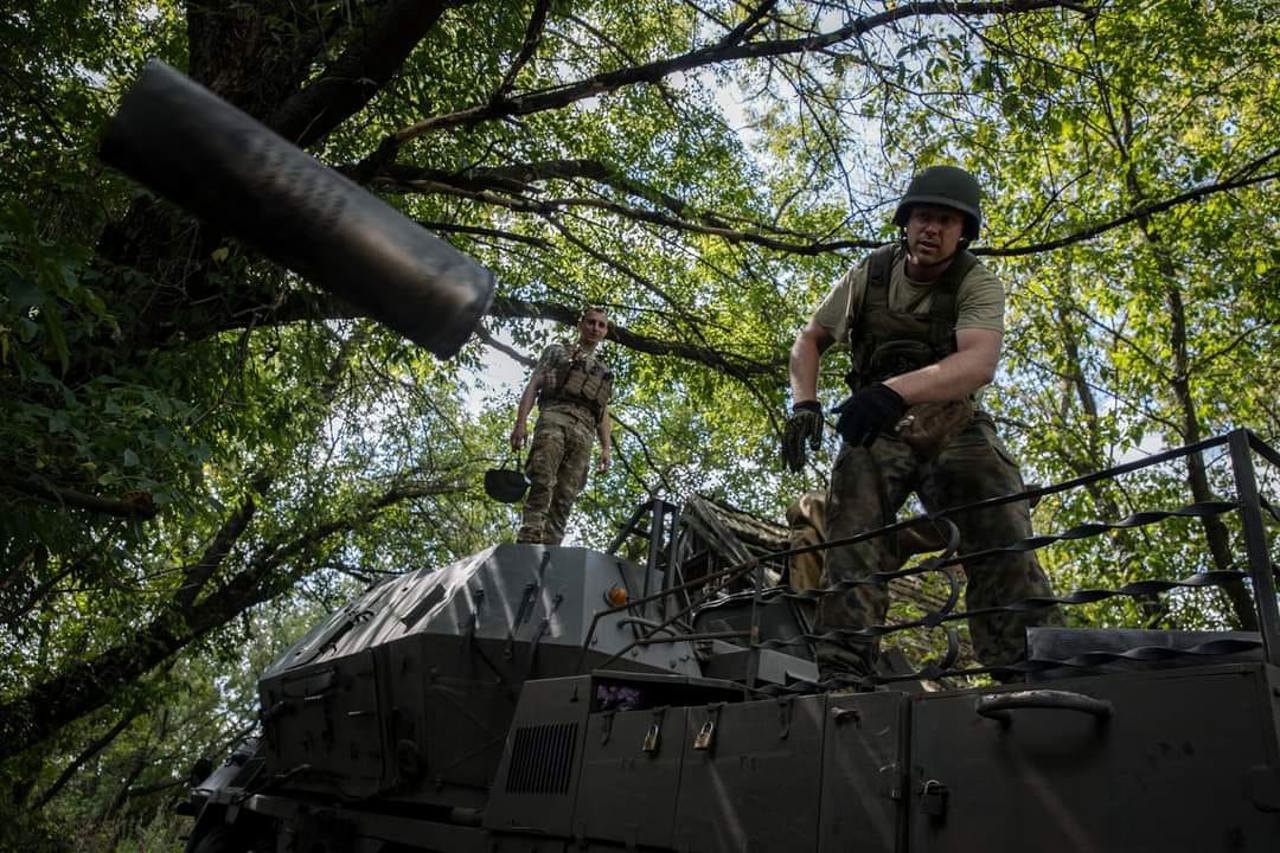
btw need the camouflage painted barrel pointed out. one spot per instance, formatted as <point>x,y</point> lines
<point>202,153</point>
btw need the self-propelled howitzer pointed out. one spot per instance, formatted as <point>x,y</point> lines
<point>534,698</point>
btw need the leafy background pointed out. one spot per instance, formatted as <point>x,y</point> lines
<point>201,454</point>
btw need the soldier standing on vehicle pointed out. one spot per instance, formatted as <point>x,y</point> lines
<point>572,388</point>
<point>923,320</point>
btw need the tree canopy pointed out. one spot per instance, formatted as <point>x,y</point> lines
<point>200,453</point>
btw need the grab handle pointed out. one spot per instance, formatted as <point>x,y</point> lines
<point>996,706</point>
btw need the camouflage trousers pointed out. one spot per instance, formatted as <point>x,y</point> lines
<point>559,456</point>
<point>868,485</point>
<point>807,523</point>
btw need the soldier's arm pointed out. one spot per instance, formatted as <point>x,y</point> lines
<point>806,352</point>
<point>524,407</point>
<point>971,366</point>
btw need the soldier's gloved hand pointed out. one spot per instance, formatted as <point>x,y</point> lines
<point>804,424</point>
<point>869,412</point>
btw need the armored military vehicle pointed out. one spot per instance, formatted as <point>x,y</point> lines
<point>532,698</point>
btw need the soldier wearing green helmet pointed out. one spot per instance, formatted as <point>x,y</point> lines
<point>923,320</point>
<point>945,186</point>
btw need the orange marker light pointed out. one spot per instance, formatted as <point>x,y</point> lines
<point>616,596</point>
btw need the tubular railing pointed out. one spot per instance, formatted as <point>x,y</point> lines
<point>1241,447</point>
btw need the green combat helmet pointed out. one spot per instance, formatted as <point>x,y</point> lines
<point>948,186</point>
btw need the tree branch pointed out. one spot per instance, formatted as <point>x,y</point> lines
<point>729,235</point>
<point>31,718</point>
<point>134,505</point>
<point>532,35</point>
<point>476,231</point>
<point>95,746</point>
<point>654,71</point>
<point>1196,365</point>
<point>197,574</point>
<point>512,353</point>
<point>745,29</point>
<point>729,363</point>
<point>519,180</point>
<point>1136,215</point>
<point>359,73</point>
<point>667,487</point>
<point>153,788</point>
<point>474,183</point>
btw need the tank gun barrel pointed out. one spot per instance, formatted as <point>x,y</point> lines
<point>215,161</point>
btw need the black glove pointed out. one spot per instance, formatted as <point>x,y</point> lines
<point>868,413</point>
<point>805,422</point>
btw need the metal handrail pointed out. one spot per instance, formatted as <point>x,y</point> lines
<point>1241,444</point>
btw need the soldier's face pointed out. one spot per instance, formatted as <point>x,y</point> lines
<point>593,327</point>
<point>933,234</point>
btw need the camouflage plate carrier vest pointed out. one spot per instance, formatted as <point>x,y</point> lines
<point>885,342</point>
<point>578,378</point>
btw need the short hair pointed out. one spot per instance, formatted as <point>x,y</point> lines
<point>593,309</point>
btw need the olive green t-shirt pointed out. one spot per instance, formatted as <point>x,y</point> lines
<point>979,299</point>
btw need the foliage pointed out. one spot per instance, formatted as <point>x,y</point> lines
<point>199,453</point>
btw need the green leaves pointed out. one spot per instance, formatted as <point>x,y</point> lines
<point>43,291</point>
<point>300,449</point>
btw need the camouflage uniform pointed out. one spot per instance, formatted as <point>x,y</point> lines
<point>806,519</point>
<point>576,386</point>
<point>869,485</point>
<point>807,523</point>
